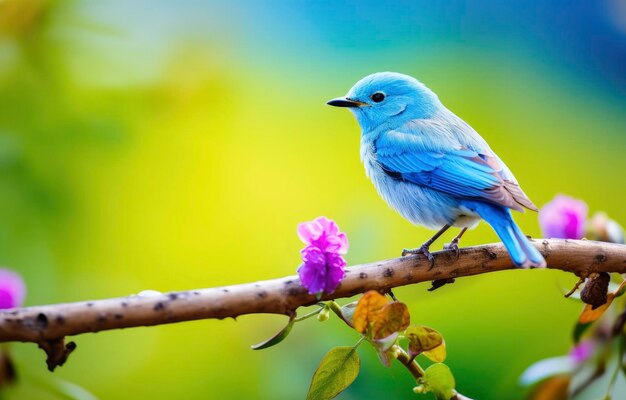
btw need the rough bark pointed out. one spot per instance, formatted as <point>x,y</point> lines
<point>48,325</point>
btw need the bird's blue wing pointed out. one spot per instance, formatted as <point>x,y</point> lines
<point>455,170</point>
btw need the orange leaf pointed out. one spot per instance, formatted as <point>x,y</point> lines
<point>555,388</point>
<point>394,317</point>
<point>588,315</point>
<point>367,310</point>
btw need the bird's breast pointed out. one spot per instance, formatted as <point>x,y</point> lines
<point>368,158</point>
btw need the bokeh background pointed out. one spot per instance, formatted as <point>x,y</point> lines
<point>173,145</point>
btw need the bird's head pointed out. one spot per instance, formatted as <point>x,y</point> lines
<point>388,98</point>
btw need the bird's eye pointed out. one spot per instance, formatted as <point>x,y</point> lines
<point>378,97</point>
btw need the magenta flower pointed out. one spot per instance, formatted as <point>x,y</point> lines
<point>323,266</point>
<point>563,218</point>
<point>12,289</point>
<point>582,351</point>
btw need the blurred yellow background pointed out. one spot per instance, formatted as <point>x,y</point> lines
<point>174,145</point>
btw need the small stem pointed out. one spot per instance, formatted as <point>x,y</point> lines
<point>618,368</point>
<point>359,342</point>
<point>337,309</point>
<point>410,364</point>
<point>581,280</point>
<point>309,315</point>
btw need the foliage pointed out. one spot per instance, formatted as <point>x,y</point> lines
<point>385,325</point>
<point>338,369</point>
<point>596,364</point>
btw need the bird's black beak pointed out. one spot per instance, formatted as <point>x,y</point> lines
<point>345,102</point>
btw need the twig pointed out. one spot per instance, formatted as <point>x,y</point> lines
<point>409,363</point>
<point>52,323</point>
<point>580,281</point>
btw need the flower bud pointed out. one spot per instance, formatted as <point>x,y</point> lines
<point>323,315</point>
<point>604,229</point>
<point>419,389</point>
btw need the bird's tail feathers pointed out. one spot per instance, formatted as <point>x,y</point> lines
<point>522,252</point>
<point>534,257</point>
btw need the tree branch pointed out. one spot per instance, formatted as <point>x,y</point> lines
<point>50,324</point>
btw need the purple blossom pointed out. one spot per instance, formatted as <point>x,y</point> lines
<point>324,234</point>
<point>581,352</point>
<point>323,266</point>
<point>12,289</point>
<point>563,218</point>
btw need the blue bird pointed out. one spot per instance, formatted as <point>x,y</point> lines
<point>432,167</point>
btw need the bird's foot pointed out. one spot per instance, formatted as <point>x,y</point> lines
<point>423,249</point>
<point>454,246</point>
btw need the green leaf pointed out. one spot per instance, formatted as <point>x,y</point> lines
<point>438,379</point>
<point>579,329</point>
<point>279,337</point>
<point>338,369</point>
<point>622,353</point>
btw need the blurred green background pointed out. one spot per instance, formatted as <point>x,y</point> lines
<point>174,145</point>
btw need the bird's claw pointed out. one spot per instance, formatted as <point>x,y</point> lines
<point>423,249</point>
<point>454,246</point>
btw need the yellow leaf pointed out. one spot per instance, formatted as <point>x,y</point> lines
<point>438,354</point>
<point>421,339</point>
<point>393,317</point>
<point>367,310</point>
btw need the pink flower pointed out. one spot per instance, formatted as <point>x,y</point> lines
<point>582,352</point>
<point>324,234</point>
<point>12,289</point>
<point>323,266</point>
<point>564,218</point>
